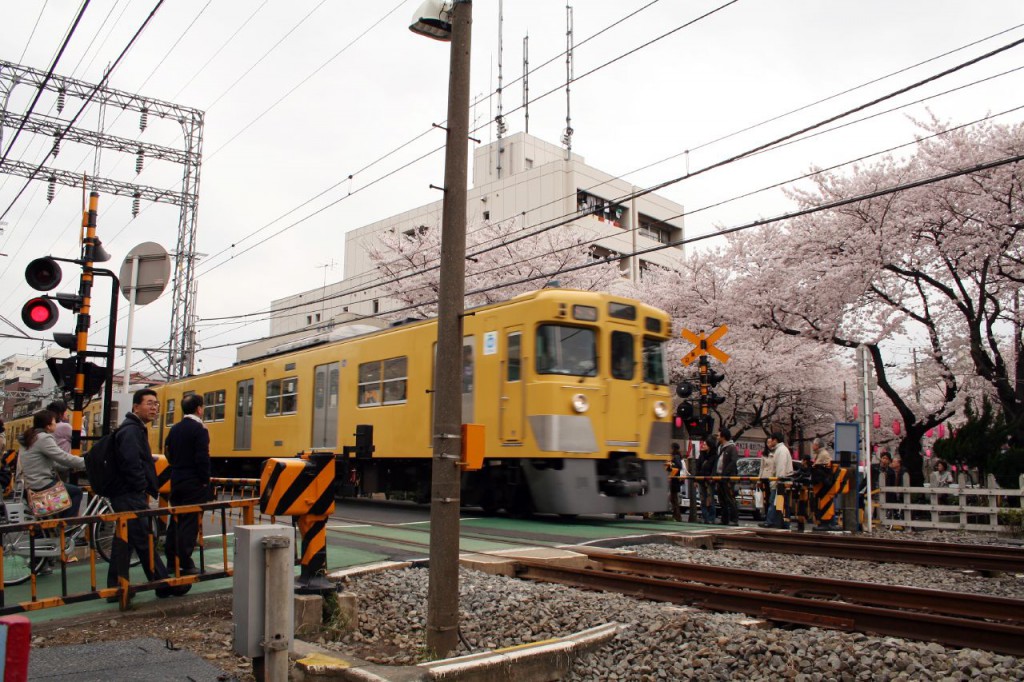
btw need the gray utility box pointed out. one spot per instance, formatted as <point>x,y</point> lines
<point>249,598</point>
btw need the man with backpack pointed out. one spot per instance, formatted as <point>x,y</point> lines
<point>131,476</point>
<point>188,452</point>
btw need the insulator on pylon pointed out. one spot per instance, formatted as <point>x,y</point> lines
<point>56,145</point>
<point>144,119</point>
<point>51,189</point>
<point>61,95</point>
<point>135,204</point>
<point>138,162</point>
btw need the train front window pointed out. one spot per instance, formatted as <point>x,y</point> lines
<point>654,362</point>
<point>566,350</point>
<point>622,355</point>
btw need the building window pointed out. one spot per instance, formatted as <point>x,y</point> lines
<point>655,229</point>
<point>318,317</point>
<point>282,396</point>
<point>309,319</point>
<point>376,306</point>
<point>345,309</point>
<point>487,215</point>
<point>383,382</point>
<point>213,406</point>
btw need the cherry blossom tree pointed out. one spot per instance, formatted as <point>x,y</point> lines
<point>500,263</point>
<point>938,263</point>
<point>773,381</point>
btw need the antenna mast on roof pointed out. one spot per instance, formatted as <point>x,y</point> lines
<point>567,135</point>
<point>526,81</point>
<point>499,120</point>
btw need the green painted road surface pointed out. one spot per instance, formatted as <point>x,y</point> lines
<point>351,545</point>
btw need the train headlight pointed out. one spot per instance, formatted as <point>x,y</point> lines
<point>660,409</point>
<point>580,403</point>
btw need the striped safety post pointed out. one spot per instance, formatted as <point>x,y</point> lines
<point>15,638</point>
<point>303,488</point>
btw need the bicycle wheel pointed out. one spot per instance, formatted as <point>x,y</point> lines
<point>103,539</point>
<point>18,566</point>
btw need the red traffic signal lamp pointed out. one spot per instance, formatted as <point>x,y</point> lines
<point>39,314</point>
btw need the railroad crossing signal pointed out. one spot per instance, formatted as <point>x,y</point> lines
<point>705,345</point>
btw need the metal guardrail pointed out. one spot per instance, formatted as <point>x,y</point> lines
<point>229,513</point>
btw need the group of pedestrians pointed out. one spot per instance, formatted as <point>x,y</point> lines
<point>132,480</point>
<point>718,457</point>
<point>187,448</point>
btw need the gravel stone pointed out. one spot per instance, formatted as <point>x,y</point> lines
<point>671,642</point>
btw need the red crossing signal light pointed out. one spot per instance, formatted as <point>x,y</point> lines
<point>39,314</point>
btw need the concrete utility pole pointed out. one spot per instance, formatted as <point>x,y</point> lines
<point>443,590</point>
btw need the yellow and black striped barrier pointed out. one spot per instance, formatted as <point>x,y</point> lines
<point>303,488</point>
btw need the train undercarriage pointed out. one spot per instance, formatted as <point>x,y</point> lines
<point>619,484</point>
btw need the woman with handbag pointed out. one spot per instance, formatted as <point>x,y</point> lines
<point>40,461</point>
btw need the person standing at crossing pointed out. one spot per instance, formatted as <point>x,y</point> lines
<point>728,454</point>
<point>188,453</point>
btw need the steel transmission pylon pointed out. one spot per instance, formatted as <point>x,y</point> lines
<point>181,341</point>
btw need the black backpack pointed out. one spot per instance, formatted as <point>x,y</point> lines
<point>99,462</point>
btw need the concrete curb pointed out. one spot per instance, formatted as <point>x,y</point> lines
<point>537,662</point>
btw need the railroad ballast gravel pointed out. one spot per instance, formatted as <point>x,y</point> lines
<point>669,642</point>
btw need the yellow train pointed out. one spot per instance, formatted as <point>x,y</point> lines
<point>571,387</point>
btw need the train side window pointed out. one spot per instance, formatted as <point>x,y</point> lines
<point>514,356</point>
<point>566,350</point>
<point>282,396</point>
<point>395,380</point>
<point>383,382</point>
<point>214,406</point>
<point>169,413</point>
<point>623,362</point>
<point>369,383</point>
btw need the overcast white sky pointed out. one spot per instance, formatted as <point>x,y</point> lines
<point>381,86</point>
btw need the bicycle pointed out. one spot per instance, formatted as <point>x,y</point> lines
<point>24,555</point>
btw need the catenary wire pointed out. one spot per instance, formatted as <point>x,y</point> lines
<point>85,104</point>
<point>977,168</point>
<point>561,221</point>
<point>46,78</point>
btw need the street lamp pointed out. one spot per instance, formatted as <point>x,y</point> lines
<point>452,21</point>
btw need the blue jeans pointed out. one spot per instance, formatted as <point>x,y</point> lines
<point>774,516</point>
<point>707,502</point>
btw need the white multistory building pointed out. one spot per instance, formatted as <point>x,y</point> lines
<point>518,177</point>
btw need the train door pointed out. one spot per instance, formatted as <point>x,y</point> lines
<point>468,379</point>
<point>624,403</point>
<point>243,415</point>
<point>512,387</point>
<point>325,406</point>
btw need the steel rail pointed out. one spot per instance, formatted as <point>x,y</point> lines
<point>948,630</point>
<point>879,552</point>
<point>873,594</point>
<point>949,547</point>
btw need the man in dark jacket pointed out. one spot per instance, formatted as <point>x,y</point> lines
<point>188,452</point>
<point>706,467</point>
<point>133,477</point>
<point>728,454</point>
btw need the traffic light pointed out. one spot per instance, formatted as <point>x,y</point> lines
<point>40,313</point>
<point>715,378</point>
<point>684,390</point>
<point>685,411</point>
<point>714,400</point>
<point>65,369</point>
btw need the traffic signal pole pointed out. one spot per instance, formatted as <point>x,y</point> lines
<point>83,321</point>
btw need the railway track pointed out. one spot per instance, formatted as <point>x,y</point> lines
<point>948,555</point>
<point>975,621</point>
